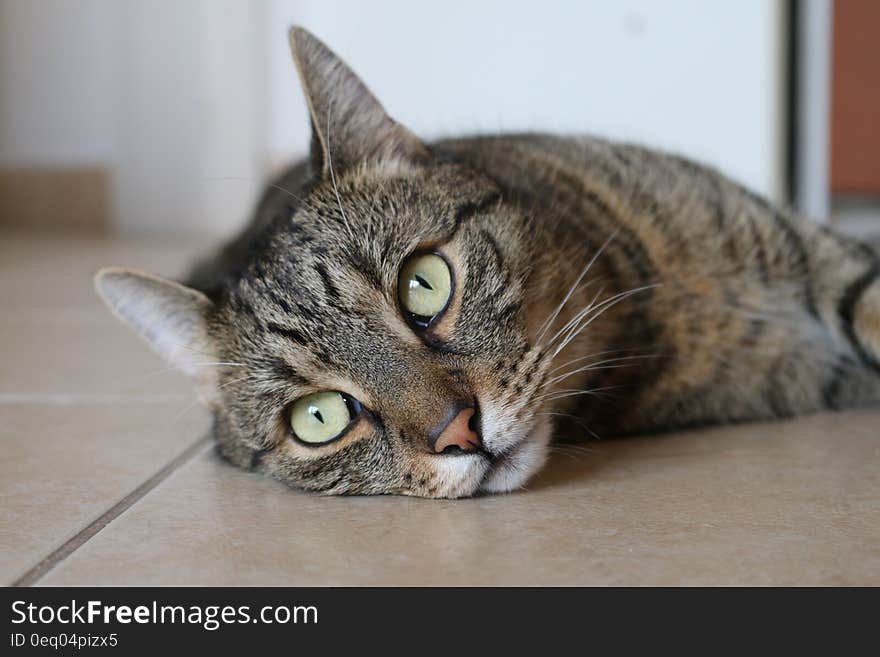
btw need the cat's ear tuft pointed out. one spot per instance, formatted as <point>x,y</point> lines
<point>170,317</point>
<point>349,125</point>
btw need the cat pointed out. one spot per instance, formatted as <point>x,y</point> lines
<point>420,319</point>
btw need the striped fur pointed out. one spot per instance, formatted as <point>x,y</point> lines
<point>601,288</point>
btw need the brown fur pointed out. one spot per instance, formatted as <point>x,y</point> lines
<point>702,303</point>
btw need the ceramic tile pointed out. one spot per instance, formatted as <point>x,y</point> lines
<point>43,273</point>
<point>62,466</point>
<point>87,412</point>
<point>58,355</point>
<point>786,503</point>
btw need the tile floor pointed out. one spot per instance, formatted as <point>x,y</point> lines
<point>106,477</point>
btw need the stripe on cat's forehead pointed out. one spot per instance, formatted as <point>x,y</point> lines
<point>328,258</point>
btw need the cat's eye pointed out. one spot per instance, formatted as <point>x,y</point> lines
<point>425,287</point>
<point>318,418</point>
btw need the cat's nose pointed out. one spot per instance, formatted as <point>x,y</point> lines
<point>456,432</point>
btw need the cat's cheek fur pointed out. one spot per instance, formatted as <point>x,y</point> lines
<point>522,462</point>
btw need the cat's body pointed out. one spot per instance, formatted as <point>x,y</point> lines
<point>611,287</point>
<point>747,308</point>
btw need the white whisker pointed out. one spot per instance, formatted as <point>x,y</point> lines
<point>601,365</point>
<point>576,419</point>
<point>577,317</point>
<point>333,173</point>
<point>592,355</point>
<point>592,392</point>
<point>232,382</point>
<point>272,185</point>
<point>552,318</point>
<point>600,309</point>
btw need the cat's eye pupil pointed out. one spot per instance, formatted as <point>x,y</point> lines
<point>314,411</point>
<point>421,281</point>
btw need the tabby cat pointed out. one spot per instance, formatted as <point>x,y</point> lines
<point>414,318</point>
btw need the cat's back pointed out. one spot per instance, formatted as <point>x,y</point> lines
<point>583,178</point>
<point>558,166</point>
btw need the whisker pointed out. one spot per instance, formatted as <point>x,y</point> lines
<point>333,173</point>
<point>552,318</point>
<point>272,185</point>
<point>592,355</point>
<point>573,450</point>
<point>600,309</point>
<point>576,419</point>
<point>232,382</point>
<point>598,366</point>
<point>179,345</point>
<point>556,396</point>
<point>571,457</point>
<point>165,370</point>
<point>196,401</point>
<point>577,317</point>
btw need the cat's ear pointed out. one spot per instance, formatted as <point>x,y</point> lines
<point>349,125</point>
<point>170,317</point>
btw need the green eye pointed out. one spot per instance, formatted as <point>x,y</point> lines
<point>424,286</point>
<point>319,418</point>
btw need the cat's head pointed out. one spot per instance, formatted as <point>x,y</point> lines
<point>379,339</point>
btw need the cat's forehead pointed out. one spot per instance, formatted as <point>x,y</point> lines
<point>361,209</point>
<point>352,235</point>
<point>326,281</point>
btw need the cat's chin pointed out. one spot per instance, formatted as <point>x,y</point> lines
<point>515,468</point>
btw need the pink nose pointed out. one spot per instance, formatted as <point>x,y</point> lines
<point>458,433</point>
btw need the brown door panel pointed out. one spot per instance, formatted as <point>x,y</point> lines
<point>855,98</point>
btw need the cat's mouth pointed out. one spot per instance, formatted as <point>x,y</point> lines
<point>496,460</point>
<point>511,469</point>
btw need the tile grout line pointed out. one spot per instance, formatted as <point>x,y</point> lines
<point>37,572</point>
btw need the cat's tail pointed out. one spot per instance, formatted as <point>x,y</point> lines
<point>860,311</point>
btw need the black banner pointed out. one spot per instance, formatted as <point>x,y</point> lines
<point>70,620</point>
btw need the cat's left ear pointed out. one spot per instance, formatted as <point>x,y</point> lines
<point>349,125</point>
<point>170,317</point>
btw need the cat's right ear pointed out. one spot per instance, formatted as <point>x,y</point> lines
<point>349,125</point>
<point>170,317</point>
